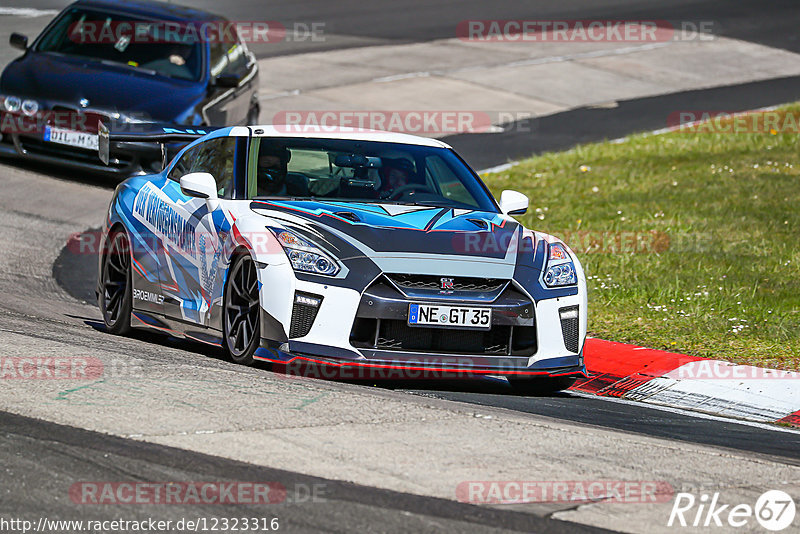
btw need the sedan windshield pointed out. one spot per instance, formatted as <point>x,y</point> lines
<point>114,38</point>
<point>365,171</point>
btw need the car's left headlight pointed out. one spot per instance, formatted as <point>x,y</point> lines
<point>560,270</point>
<point>305,256</point>
<point>30,107</point>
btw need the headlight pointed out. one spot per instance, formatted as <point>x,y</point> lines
<point>560,269</point>
<point>30,107</point>
<point>303,255</point>
<point>12,104</point>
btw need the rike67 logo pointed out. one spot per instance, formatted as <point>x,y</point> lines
<point>774,510</point>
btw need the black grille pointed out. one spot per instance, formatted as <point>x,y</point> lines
<point>569,329</point>
<point>303,316</point>
<point>434,283</point>
<point>397,335</point>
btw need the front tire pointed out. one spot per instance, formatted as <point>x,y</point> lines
<point>116,300</point>
<point>241,325</point>
<point>541,386</point>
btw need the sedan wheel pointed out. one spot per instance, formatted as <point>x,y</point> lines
<point>241,326</point>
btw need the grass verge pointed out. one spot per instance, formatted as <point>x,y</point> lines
<point>690,240</point>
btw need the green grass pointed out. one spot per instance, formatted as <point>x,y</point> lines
<point>708,261</point>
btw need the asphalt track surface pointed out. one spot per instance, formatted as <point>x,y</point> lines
<point>42,457</point>
<point>312,504</point>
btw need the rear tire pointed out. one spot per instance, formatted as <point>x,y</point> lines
<point>541,386</point>
<point>241,324</point>
<point>116,300</point>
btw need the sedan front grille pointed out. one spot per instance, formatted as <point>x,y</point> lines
<point>435,283</point>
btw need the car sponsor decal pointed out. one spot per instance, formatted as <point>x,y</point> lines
<point>147,296</point>
<point>154,209</point>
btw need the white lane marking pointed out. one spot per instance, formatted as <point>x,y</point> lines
<point>404,76</point>
<point>499,168</point>
<point>688,413</point>
<point>524,62</point>
<point>27,12</point>
<point>620,140</point>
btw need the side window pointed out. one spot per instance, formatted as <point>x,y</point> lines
<point>215,156</point>
<point>219,58</point>
<point>184,165</point>
<point>228,58</point>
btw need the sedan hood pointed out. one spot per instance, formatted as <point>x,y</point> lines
<point>395,230</point>
<point>56,79</point>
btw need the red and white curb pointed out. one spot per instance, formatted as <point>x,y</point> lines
<point>691,383</point>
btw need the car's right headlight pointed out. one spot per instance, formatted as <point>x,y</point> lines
<point>12,104</point>
<point>305,256</point>
<point>560,270</point>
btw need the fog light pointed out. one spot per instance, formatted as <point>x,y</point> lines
<point>568,313</point>
<point>307,300</point>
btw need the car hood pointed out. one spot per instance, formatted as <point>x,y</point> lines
<point>56,79</point>
<point>394,230</point>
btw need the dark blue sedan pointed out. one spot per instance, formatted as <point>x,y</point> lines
<point>128,64</point>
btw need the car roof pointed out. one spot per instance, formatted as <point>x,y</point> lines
<point>341,132</point>
<point>151,9</point>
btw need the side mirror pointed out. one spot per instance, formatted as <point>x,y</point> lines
<point>200,185</point>
<point>227,80</point>
<point>17,40</point>
<point>513,202</point>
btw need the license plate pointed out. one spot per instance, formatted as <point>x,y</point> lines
<point>70,138</point>
<point>456,316</point>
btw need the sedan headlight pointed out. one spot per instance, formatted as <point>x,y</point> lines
<point>12,104</point>
<point>303,255</point>
<point>560,269</point>
<point>30,107</point>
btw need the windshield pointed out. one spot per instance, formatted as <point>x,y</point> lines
<point>108,37</point>
<point>364,171</point>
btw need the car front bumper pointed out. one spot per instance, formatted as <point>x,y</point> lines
<point>367,335</point>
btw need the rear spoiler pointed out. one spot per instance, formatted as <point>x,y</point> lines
<point>155,133</point>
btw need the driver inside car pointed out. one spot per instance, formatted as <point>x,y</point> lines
<point>395,175</point>
<point>272,174</point>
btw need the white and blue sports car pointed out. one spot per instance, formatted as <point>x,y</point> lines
<point>347,248</point>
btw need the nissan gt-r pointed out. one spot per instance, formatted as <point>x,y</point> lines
<point>347,248</point>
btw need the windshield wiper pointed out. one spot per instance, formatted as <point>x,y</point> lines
<point>120,64</point>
